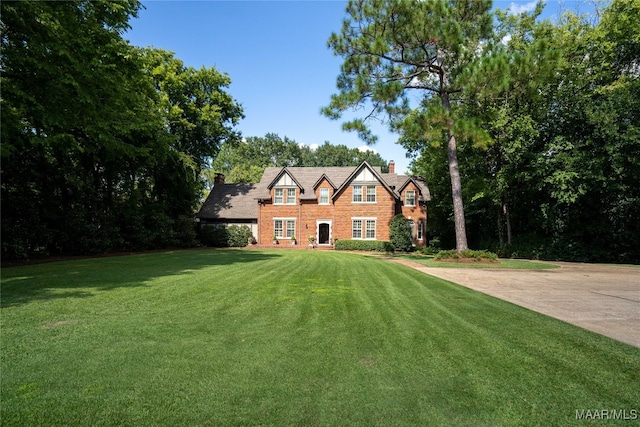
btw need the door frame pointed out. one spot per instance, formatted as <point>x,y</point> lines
<point>330,224</point>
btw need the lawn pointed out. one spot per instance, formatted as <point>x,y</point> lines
<point>231,337</point>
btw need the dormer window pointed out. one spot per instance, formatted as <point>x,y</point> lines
<point>410,198</point>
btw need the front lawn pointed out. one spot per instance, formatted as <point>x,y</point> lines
<point>288,337</point>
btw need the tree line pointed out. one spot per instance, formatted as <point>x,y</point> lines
<point>103,142</point>
<point>245,161</point>
<point>526,130</point>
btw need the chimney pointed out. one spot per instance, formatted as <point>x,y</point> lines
<point>218,179</point>
<point>392,166</point>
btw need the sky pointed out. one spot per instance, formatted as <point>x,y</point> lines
<point>276,54</point>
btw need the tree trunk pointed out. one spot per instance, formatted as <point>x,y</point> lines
<point>456,194</point>
<point>454,172</point>
<point>505,209</point>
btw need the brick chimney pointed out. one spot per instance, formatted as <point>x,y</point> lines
<point>392,166</point>
<point>218,179</point>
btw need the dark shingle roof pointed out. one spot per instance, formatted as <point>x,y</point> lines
<point>240,201</point>
<point>231,201</point>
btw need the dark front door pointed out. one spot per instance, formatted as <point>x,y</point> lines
<point>323,234</point>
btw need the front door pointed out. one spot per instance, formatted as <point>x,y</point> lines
<point>323,233</point>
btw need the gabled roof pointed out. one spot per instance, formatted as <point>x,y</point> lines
<point>280,175</point>
<point>240,201</point>
<point>324,176</point>
<point>422,186</point>
<point>357,171</point>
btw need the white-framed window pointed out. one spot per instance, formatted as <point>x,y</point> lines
<point>363,228</point>
<point>284,228</point>
<point>410,198</point>
<point>291,196</point>
<point>291,229</point>
<point>420,229</point>
<point>284,196</point>
<point>364,194</point>
<point>277,228</point>
<point>371,193</point>
<point>370,229</point>
<point>356,229</point>
<point>357,193</point>
<point>278,198</point>
<point>324,196</point>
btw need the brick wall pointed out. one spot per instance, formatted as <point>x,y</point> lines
<point>339,212</point>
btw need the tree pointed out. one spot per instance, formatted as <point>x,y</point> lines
<point>102,142</point>
<point>437,48</point>
<point>400,233</point>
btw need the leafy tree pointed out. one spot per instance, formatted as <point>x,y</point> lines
<point>437,48</point>
<point>101,141</point>
<point>244,162</point>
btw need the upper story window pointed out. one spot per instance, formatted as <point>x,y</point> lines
<point>364,194</point>
<point>284,196</point>
<point>291,196</point>
<point>324,196</point>
<point>410,198</point>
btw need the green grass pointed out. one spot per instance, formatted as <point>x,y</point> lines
<point>224,337</point>
<point>517,264</point>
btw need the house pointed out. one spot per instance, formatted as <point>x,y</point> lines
<point>326,203</point>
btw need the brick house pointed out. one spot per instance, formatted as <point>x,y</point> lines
<point>327,203</point>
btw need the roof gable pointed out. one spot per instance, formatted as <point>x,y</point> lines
<point>362,173</point>
<point>285,179</point>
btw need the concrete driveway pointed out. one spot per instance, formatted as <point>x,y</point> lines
<point>601,298</point>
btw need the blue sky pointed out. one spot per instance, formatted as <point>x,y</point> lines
<point>277,57</point>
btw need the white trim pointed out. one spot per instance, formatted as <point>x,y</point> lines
<point>284,227</point>
<point>324,221</point>
<point>320,196</point>
<point>363,230</point>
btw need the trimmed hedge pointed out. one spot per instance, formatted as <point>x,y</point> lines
<point>223,237</point>
<point>363,245</point>
<point>467,254</point>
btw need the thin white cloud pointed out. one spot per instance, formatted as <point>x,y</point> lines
<point>518,8</point>
<point>365,148</point>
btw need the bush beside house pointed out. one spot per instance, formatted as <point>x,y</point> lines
<point>225,237</point>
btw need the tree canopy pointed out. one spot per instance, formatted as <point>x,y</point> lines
<point>102,142</point>
<point>245,161</point>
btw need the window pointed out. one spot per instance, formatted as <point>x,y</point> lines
<point>291,196</point>
<point>371,229</point>
<point>282,198</point>
<point>291,229</point>
<point>356,229</point>
<point>420,226</point>
<point>324,196</point>
<point>410,198</point>
<point>369,225</point>
<point>277,228</point>
<point>284,228</point>
<point>357,193</point>
<point>371,193</point>
<point>279,198</point>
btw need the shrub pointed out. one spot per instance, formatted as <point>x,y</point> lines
<point>363,245</point>
<point>224,237</point>
<point>400,232</point>
<point>467,254</point>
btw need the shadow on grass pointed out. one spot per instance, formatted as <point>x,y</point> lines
<point>81,278</point>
